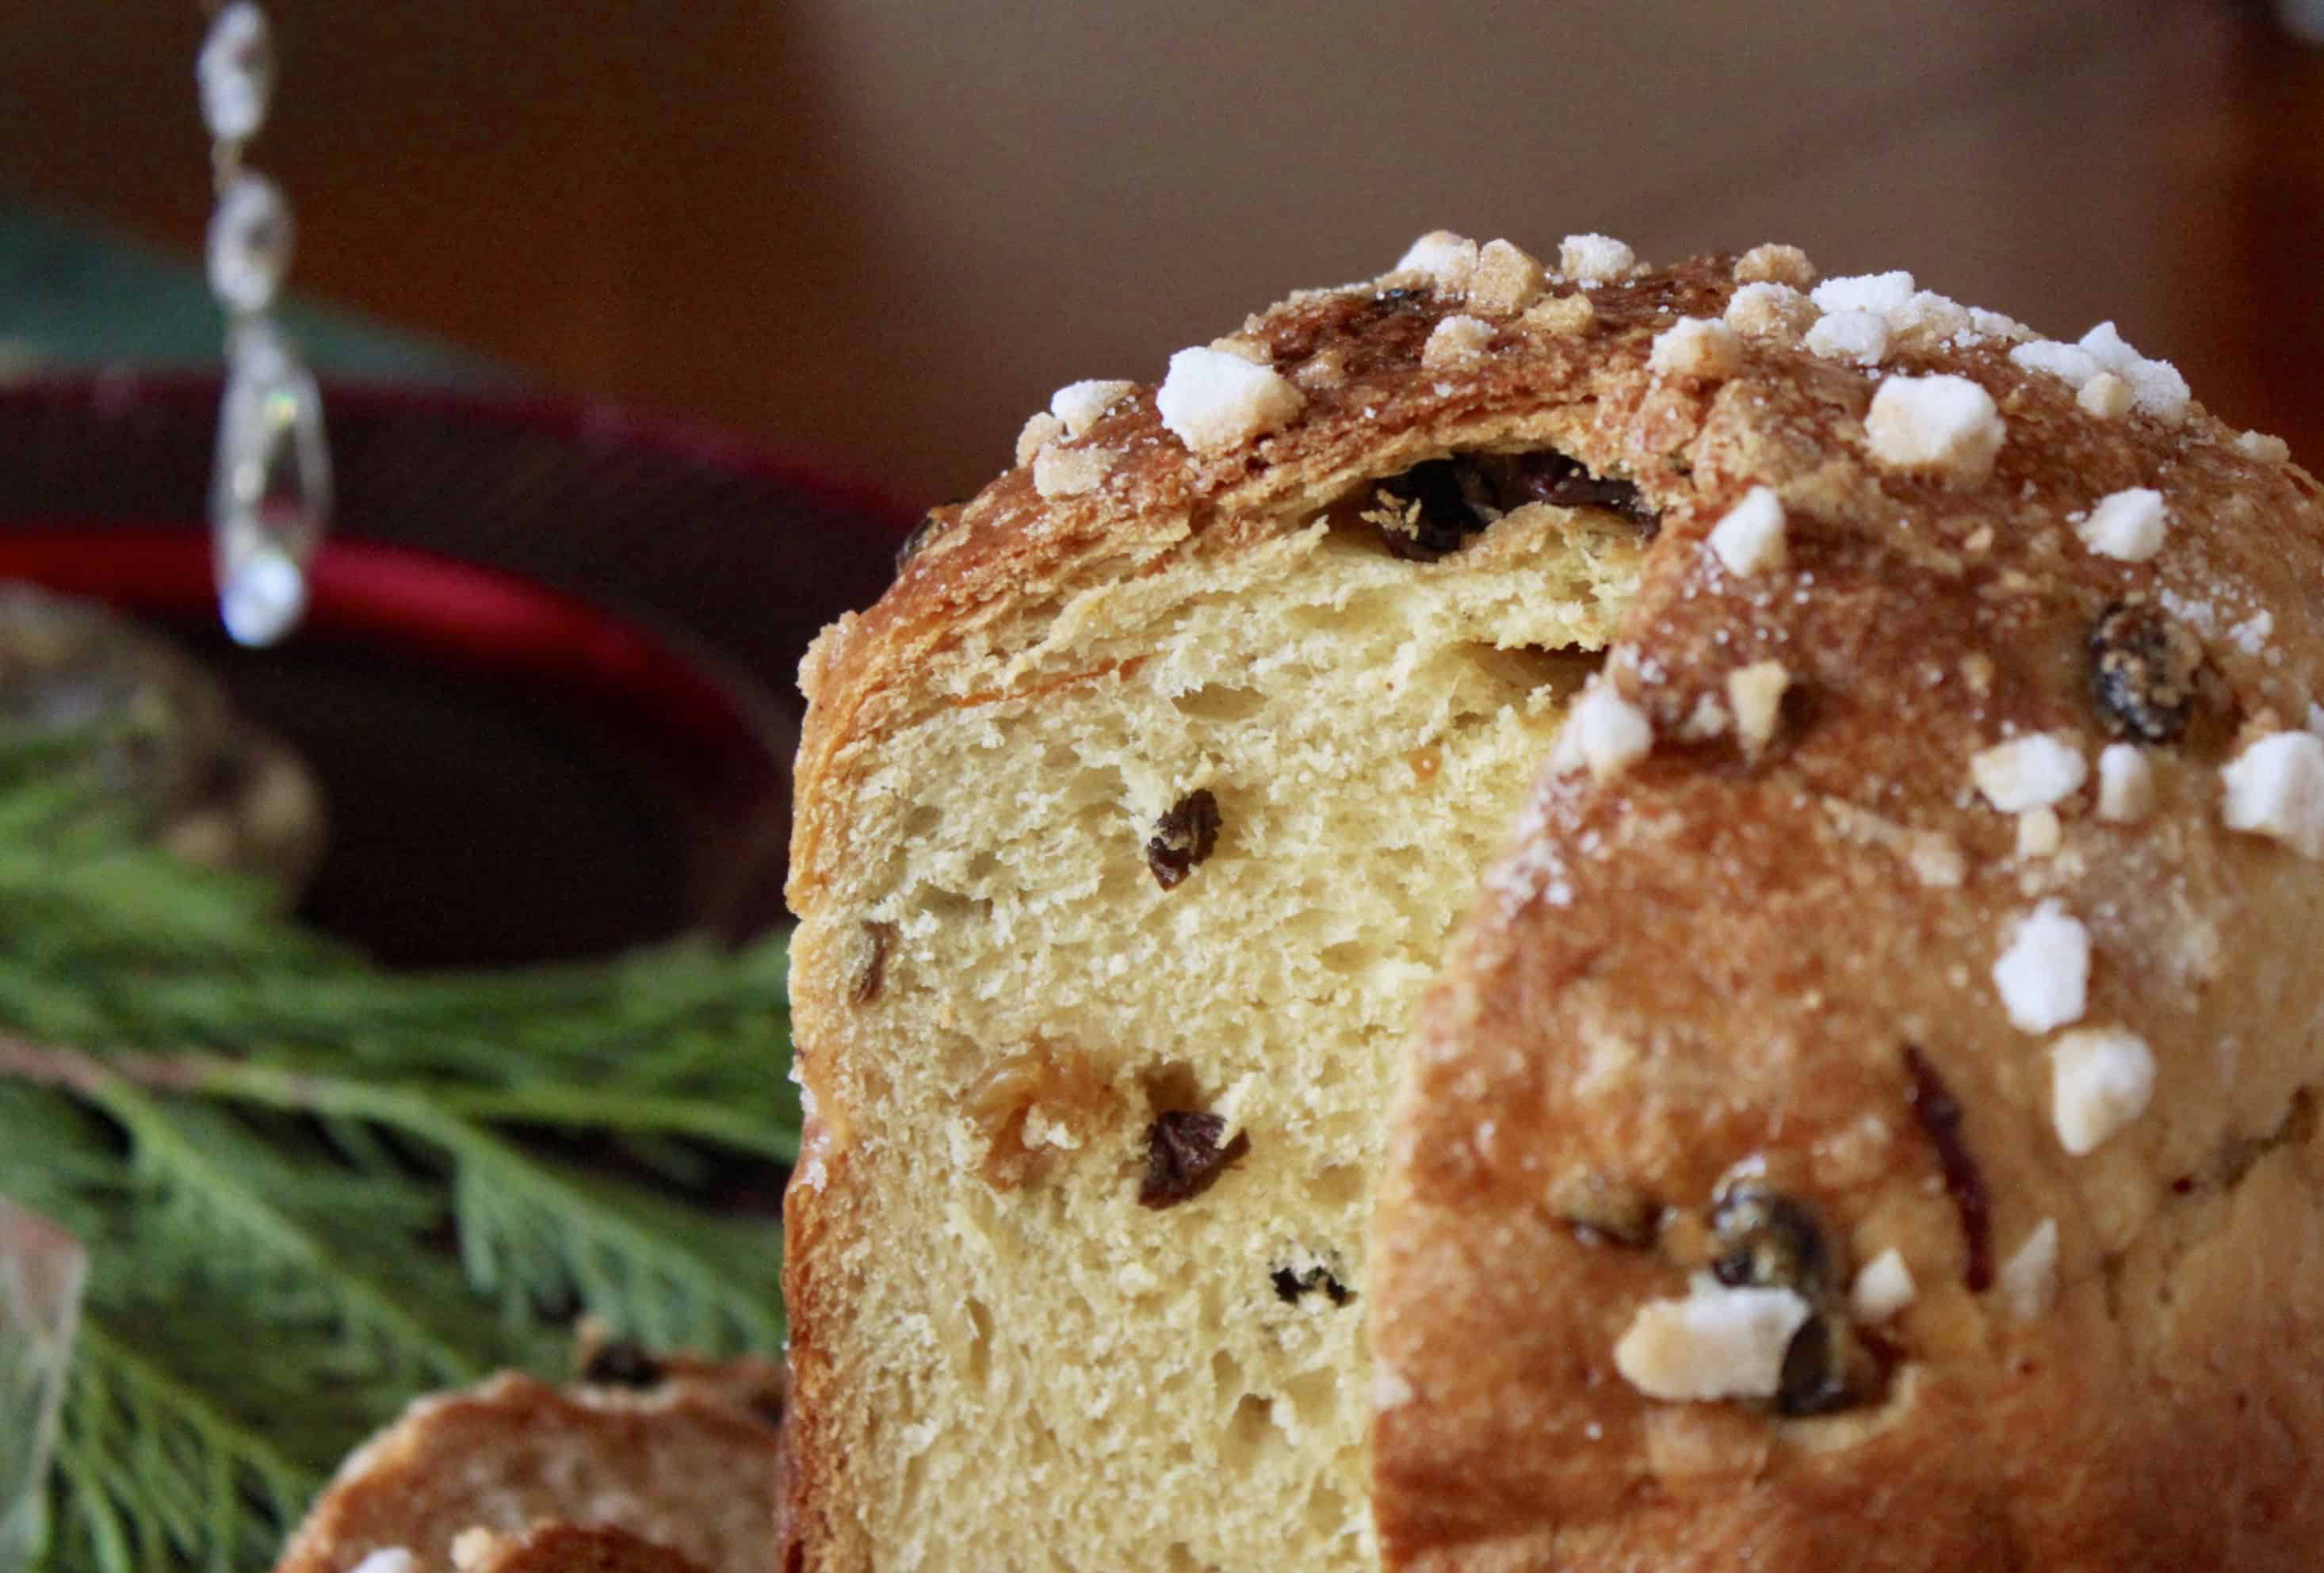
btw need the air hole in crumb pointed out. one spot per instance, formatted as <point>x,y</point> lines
<point>979,1347</point>
<point>872,970</point>
<point>922,821</point>
<point>1564,670</point>
<point>1292,1284</point>
<point>1327,1512</point>
<point>1219,701</point>
<point>1251,1427</point>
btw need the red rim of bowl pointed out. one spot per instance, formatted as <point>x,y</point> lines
<point>429,606</point>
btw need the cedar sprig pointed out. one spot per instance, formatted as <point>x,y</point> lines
<point>312,1190</point>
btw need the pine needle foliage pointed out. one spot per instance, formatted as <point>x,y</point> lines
<point>312,1190</point>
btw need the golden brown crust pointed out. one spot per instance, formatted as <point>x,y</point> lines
<point>563,1548</point>
<point>691,1465</point>
<point>1719,956</point>
<point>1711,961</point>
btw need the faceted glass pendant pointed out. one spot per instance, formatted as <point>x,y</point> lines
<point>270,487</point>
<point>41,1269</point>
<point>249,243</point>
<point>236,73</point>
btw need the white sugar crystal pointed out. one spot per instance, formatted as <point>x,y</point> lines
<point>1756,693</point>
<point>1449,259</point>
<point>2028,772</point>
<point>2044,975</point>
<point>2071,363</point>
<point>1716,1343</point>
<point>1997,324</point>
<point>1597,258</point>
<point>2125,784</point>
<point>1041,430</point>
<point>2250,635</point>
<point>1776,264</point>
<point>389,1559</point>
<point>1063,472</point>
<point>2275,788</point>
<point>1213,400</point>
<point>2266,450</point>
<point>1749,537</point>
<point>1081,404</point>
<point>1943,424</point>
<point>1925,314</point>
<point>2028,1281</point>
<point>2157,388</point>
<point>1769,310</point>
<point>2106,395</point>
<point>2038,833</point>
<point>1936,861</point>
<point>2104,344</point>
<point>2101,1080</point>
<point>1884,1286</point>
<point>1861,336</point>
<point>2126,525</point>
<point>1456,341</point>
<point>1604,733</point>
<point>1507,280</point>
<point>1879,293</point>
<point>1696,346</point>
<point>1390,1388</point>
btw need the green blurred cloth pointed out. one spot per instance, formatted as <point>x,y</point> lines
<point>74,296</point>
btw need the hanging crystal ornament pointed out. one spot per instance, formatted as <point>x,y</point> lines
<point>270,483</point>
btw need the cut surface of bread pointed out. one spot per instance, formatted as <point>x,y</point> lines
<point>1132,960</point>
<point>681,1455</point>
<point>1833,767</point>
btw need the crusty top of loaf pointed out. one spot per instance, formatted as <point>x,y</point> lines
<point>1732,950</point>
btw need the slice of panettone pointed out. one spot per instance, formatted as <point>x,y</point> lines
<point>678,1455</point>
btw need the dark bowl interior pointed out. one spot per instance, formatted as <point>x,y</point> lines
<point>548,677</point>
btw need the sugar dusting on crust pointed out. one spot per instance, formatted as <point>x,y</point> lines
<point>1595,259</point>
<point>2043,977</point>
<point>1884,1286</point>
<point>2028,772</point>
<point>1214,400</point>
<point>2128,525</point>
<point>1858,337</point>
<point>1080,405</point>
<point>1756,695</point>
<point>1718,1342</point>
<point>2028,1281</point>
<point>1776,264</point>
<point>1604,733</point>
<point>1943,426</point>
<point>1507,280</point>
<point>2101,1079</point>
<point>2125,785</point>
<point>1702,348</point>
<point>2275,788</point>
<point>1768,309</point>
<point>1456,341</point>
<point>1749,537</point>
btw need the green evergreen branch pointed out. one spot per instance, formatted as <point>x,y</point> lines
<point>215,1101</point>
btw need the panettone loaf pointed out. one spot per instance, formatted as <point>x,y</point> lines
<point>653,1464</point>
<point>1864,1120</point>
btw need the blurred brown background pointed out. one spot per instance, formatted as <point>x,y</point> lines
<point>878,234</point>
